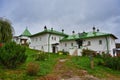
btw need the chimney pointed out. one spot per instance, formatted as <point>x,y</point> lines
<point>51,29</point>
<point>98,30</point>
<point>62,30</point>
<point>45,28</point>
<point>94,29</point>
<point>73,32</point>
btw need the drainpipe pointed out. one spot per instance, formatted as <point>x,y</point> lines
<point>107,44</point>
<point>49,42</point>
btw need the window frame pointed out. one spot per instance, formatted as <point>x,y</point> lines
<point>65,44</point>
<point>72,44</point>
<point>89,43</point>
<point>100,42</point>
<point>40,38</point>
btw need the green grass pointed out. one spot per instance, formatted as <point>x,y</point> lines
<point>47,66</point>
<point>20,73</point>
<point>98,71</point>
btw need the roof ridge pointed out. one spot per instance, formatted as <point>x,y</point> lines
<point>90,34</point>
<point>50,31</point>
<point>26,32</point>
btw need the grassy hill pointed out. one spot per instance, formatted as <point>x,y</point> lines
<point>48,66</point>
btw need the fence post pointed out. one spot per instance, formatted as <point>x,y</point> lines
<point>91,62</point>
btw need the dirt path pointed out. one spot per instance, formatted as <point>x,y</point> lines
<point>63,72</point>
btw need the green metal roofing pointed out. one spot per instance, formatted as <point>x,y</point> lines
<point>85,35</point>
<point>50,32</point>
<point>26,33</point>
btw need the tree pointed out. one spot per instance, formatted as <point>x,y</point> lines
<point>6,30</point>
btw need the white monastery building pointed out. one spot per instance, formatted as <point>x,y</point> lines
<point>24,38</point>
<point>47,40</point>
<point>50,40</point>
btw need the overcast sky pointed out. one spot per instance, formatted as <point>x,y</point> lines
<point>78,15</point>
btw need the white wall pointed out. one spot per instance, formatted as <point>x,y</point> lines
<point>103,47</point>
<point>112,45</point>
<point>40,42</point>
<point>55,39</point>
<point>68,45</point>
<point>94,44</point>
<point>17,39</point>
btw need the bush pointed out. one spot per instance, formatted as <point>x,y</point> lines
<point>12,55</point>
<point>109,61</point>
<point>87,52</point>
<point>41,56</point>
<point>63,52</point>
<point>32,69</point>
<point>98,55</point>
<point>112,62</point>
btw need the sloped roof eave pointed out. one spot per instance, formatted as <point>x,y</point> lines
<point>113,36</point>
<point>89,37</point>
<point>45,32</point>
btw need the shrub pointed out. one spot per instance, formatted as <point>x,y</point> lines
<point>1,44</point>
<point>41,56</point>
<point>98,55</point>
<point>32,69</point>
<point>63,52</point>
<point>12,55</point>
<point>112,62</point>
<point>87,52</point>
<point>109,61</point>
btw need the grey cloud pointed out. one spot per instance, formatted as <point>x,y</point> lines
<point>78,15</point>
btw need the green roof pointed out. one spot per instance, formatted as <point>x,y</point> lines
<point>26,33</point>
<point>50,32</point>
<point>85,35</point>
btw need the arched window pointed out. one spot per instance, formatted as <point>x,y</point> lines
<point>100,42</point>
<point>89,43</point>
<point>65,44</point>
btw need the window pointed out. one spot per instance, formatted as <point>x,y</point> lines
<point>36,39</point>
<point>71,44</point>
<point>89,43</point>
<point>52,37</point>
<point>42,47</point>
<point>55,38</point>
<point>40,38</point>
<point>100,42</point>
<point>65,44</point>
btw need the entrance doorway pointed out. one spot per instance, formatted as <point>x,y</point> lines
<point>55,48</point>
<point>79,42</point>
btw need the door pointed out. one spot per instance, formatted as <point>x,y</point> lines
<point>79,42</point>
<point>54,49</point>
